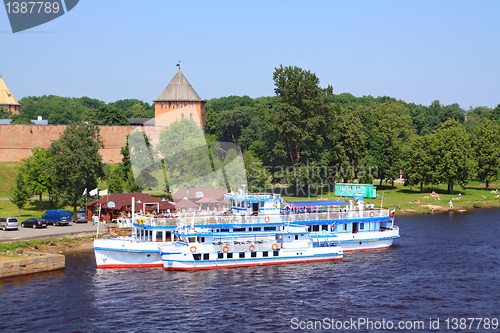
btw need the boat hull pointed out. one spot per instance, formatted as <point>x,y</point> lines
<point>368,241</point>
<point>119,253</point>
<point>183,261</point>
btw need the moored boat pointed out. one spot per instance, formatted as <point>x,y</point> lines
<point>208,249</point>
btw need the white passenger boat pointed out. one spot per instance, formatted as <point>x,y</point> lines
<point>354,226</point>
<point>204,248</point>
<point>140,249</point>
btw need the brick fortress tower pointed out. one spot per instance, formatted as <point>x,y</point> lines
<point>178,101</point>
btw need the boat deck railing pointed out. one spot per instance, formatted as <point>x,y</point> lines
<point>336,215</point>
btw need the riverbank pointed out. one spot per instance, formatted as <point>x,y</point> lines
<point>40,255</point>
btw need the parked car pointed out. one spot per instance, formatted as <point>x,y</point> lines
<point>57,216</point>
<point>9,223</point>
<point>80,217</point>
<point>34,222</point>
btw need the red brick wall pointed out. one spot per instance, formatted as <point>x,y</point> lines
<point>16,141</point>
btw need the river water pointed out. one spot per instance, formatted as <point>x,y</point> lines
<point>445,267</point>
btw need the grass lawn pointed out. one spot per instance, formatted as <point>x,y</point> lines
<point>8,172</point>
<point>32,209</point>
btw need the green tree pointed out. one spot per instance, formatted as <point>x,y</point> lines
<point>75,161</point>
<point>22,193</point>
<point>114,179</point>
<point>348,142</point>
<point>128,181</point>
<point>487,147</point>
<point>420,161</point>
<point>495,114</point>
<point>388,128</point>
<point>295,127</point>
<point>109,115</point>
<point>186,157</point>
<point>5,113</point>
<point>37,175</point>
<point>257,175</point>
<point>454,156</point>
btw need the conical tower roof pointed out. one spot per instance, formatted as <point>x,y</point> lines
<point>179,90</point>
<point>6,97</point>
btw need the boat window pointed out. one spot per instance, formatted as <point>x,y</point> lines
<point>315,227</point>
<point>296,237</point>
<point>361,226</point>
<point>201,239</point>
<point>269,228</point>
<point>229,255</point>
<point>253,254</point>
<point>257,229</point>
<point>265,254</point>
<point>191,239</point>
<point>206,256</point>
<point>324,227</point>
<point>242,254</point>
<point>345,227</point>
<point>309,228</point>
<point>159,236</point>
<point>197,256</point>
<point>224,230</point>
<point>276,253</point>
<point>239,229</point>
<point>261,204</point>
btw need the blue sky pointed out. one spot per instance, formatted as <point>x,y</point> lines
<point>416,51</point>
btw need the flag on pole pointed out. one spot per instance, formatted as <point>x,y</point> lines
<point>393,212</point>
<point>94,192</point>
<point>103,193</point>
<point>84,192</point>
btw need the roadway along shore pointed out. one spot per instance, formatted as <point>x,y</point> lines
<point>85,229</point>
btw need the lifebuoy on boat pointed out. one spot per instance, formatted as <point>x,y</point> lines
<point>193,249</point>
<point>225,248</point>
<point>372,214</point>
<point>275,246</point>
<point>251,247</point>
<point>267,219</point>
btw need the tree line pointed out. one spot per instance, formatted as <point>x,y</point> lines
<point>68,110</point>
<point>308,136</point>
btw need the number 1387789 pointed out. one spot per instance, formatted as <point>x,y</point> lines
<point>32,7</point>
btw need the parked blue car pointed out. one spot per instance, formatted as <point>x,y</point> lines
<point>57,216</point>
